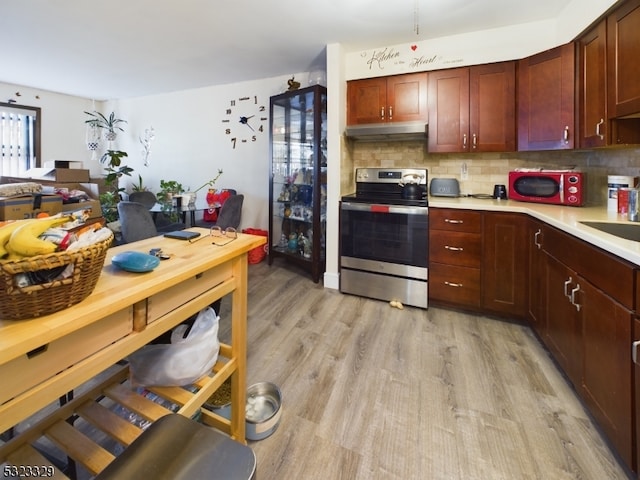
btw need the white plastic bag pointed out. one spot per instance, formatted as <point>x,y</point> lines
<point>184,360</point>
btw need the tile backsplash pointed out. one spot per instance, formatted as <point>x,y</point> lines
<point>484,170</point>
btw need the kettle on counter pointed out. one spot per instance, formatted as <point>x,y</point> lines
<point>411,189</point>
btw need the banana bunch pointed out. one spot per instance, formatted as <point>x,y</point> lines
<point>20,238</point>
<point>5,234</point>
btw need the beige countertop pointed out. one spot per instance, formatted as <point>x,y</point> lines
<point>564,218</point>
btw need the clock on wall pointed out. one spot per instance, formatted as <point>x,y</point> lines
<point>244,120</point>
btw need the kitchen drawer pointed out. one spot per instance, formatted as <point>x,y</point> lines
<point>455,220</point>
<point>455,248</point>
<point>170,299</point>
<point>28,370</point>
<point>455,285</point>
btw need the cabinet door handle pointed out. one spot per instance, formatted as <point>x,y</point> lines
<point>634,351</point>
<point>450,284</point>
<point>451,220</point>
<point>598,125</point>
<point>382,113</point>
<point>464,141</point>
<point>390,112</point>
<point>535,239</point>
<point>565,135</point>
<point>453,249</point>
<point>573,297</point>
<point>474,140</point>
<point>566,289</point>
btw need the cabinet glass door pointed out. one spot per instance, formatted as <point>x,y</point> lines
<point>298,178</point>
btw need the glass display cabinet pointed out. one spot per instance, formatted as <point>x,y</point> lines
<point>298,181</point>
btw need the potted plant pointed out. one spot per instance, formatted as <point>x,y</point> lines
<point>112,159</point>
<point>139,187</point>
<point>191,195</point>
<point>109,124</point>
<point>168,190</point>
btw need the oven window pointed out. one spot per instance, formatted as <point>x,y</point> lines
<point>386,237</point>
<point>544,187</point>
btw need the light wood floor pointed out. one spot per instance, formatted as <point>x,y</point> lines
<point>373,392</point>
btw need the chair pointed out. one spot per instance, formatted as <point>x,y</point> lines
<point>148,199</point>
<point>230,213</point>
<point>136,222</point>
<point>178,448</point>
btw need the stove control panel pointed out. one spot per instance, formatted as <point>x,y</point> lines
<point>391,175</point>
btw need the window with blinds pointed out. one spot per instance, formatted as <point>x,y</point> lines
<point>19,139</point>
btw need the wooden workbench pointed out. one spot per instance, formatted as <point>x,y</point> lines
<point>43,359</point>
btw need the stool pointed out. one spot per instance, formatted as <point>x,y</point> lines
<point>175,447</point>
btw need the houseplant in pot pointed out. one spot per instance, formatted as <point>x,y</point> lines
<point>110,124</point>
<point>112,159</point>
<point>191,195</point>
<point>168,190</point>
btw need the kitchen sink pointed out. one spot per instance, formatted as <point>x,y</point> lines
<point>628,231</point>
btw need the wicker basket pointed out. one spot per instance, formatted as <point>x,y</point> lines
<point>17,303</point>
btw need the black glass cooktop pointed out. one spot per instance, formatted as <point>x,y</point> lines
<point>385,200</point>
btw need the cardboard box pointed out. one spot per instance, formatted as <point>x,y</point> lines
<point>58,174</point>
<point>62,164</point>
<point>92,191</point>
<point>28,206</point>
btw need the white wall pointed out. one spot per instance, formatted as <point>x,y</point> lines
<point>62,116</point>
<point>495,45</point>
<point>190,144</point>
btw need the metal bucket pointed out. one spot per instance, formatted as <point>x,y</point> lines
<point>263,411</point>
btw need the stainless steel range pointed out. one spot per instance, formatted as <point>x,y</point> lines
<point>384,235</point>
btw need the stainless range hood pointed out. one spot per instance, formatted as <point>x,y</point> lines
<point>386,132</point>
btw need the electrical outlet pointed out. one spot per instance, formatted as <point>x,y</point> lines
<point>464,172</point>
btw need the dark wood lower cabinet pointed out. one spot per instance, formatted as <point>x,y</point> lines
<point>607,368</point>
<point>454,285</point>
<point>504,264</point>
<point>589,317</point>
<point>478,260</point>
<point>563,334</point>
<point>636,384</point>
<point>537,296</point>
<point>578,298</point>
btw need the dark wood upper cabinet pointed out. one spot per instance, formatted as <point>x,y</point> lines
<point>492,107</point>
<point>366,101</point>
<point>472,109</point>
<point>593,119</point>
<point>623,59</point>
<point>546,89</point>
<point>398,98</point>
<point>601,94</point>
<point>449,110</point>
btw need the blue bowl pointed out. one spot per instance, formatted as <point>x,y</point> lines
<point>135,261</point>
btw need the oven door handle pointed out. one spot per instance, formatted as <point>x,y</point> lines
<point>384,208</point>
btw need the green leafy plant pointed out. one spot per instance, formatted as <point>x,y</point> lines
<point>109,205</point>
<point>112,159</point>
<point>139,187</point>
<point>109,123</point>
<point>169,188</point>
<point>210,183</point>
